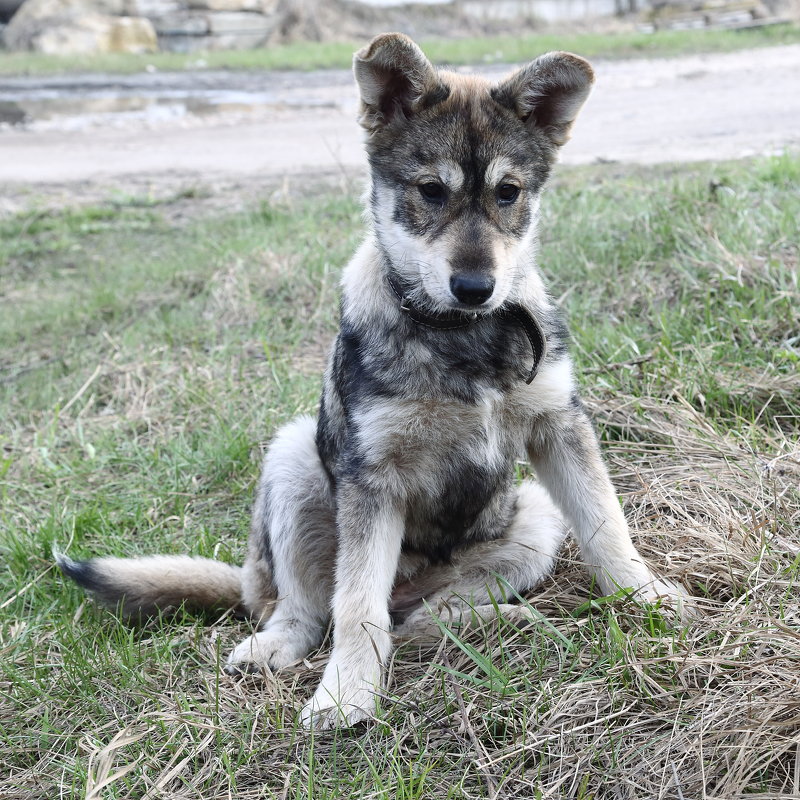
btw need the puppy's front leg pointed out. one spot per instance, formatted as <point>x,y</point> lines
<point>566,456</point>
<point>370,532</point>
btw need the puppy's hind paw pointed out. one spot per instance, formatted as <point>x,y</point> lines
<point>241,668</point>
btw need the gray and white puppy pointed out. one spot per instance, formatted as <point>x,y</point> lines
<point>450,365</point>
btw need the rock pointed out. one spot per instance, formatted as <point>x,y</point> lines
<point>132,35</point>
<point>86,26</point>
<point>35,14</point>
<point>66,37</point>
<point>78,26</point>
<point>70,34</point>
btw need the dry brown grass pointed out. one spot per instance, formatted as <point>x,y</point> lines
<point>602,703</point>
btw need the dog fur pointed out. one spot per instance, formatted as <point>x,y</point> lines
<point>401,496</point>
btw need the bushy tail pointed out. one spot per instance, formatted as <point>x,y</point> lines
<point>143,587</point>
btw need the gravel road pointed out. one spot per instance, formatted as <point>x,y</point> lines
<point>218,126</point>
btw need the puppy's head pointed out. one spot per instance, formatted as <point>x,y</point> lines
<point>458,165</point>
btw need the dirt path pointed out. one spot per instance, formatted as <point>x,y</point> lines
<point>645,111</point>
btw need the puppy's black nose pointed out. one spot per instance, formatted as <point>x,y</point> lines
<point>471,289</point>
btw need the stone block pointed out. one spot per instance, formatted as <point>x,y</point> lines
<point>227,5</point>
<point>239,23</point>
<point>182,24</point>
<point>153,9</point>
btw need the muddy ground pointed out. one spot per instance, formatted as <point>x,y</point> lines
<point>232,134</point>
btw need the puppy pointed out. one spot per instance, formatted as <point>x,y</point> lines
<point>450,365</point>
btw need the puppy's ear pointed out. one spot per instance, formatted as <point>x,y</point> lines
<point>548,93</point>
<point>395,80</point>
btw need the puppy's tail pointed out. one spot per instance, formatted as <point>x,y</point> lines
<point>143,587</point>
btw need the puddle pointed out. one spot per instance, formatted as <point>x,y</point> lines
<point>78,107</point>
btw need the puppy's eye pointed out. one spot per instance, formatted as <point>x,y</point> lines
<point>433,192</point>
<point>507,193</point>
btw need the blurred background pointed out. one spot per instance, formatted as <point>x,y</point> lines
<point>136,26</point>
<point>155,93</point>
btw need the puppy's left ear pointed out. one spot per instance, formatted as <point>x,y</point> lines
<point>548,93</point>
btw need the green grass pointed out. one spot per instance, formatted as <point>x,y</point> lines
<point>144,362</point>
<point>495,48</point>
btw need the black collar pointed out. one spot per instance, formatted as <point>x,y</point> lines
<point>450,320</point>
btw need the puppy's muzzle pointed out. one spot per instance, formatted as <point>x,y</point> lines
<point>471,289</point>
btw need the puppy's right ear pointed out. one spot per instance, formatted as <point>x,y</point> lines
<point>395,80</point>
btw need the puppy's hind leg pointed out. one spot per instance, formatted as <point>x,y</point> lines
<point>290,567</point>
<point>480,575</point>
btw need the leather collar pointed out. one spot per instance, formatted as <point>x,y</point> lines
<point>513,313</point>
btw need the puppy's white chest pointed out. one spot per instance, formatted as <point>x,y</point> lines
<point>419,442</point>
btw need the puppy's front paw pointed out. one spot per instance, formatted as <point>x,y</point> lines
<point>669,595</point>
<point>346,694</point>
<point>324,711</point>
